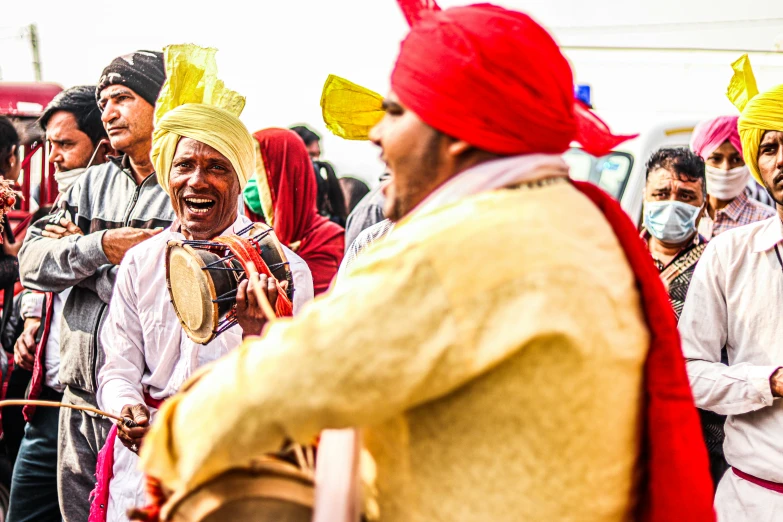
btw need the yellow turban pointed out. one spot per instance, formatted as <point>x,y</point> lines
<point>760,112</point>
<point>195,104</point>
<point>350,110</point>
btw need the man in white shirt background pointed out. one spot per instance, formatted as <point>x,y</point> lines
<point>734,301</point>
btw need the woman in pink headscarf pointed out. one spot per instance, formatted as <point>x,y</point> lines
<point>729,184</point>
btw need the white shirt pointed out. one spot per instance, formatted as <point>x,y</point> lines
<point>52,348</point>
<point>146,348</point>
<point>735,300</point>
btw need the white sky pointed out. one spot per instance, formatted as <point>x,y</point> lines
<point>278,53</point>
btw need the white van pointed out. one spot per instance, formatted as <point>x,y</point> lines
<point>622,173</point>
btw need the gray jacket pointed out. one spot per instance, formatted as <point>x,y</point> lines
<point>105,197</point>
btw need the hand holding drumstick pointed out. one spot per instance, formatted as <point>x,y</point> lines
<point>256,300</point>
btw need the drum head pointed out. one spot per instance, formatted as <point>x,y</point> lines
<point>192,292</point>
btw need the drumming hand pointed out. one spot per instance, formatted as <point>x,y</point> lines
<point>119,240</point>
<point>66,228</point>
<point>249,313</point>
<point>131,437</point>
<point>24,349</point>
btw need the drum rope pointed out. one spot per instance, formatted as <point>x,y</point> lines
<point>246,253</point>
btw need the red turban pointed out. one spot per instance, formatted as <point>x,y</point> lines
<point>711,134</point>
<point>493,78</point>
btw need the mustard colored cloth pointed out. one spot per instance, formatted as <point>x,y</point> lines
<point>194,103</point>
<point>760,112</point>
<point>495,365</point>
<point>349,110</point>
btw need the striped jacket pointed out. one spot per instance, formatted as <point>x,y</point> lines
<point>105,197</point>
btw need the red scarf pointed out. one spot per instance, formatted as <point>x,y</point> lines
<point>292,184</point>
<point>677,484</point>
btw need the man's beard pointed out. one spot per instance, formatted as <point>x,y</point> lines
<point>418,187</point>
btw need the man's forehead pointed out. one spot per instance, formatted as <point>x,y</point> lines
<point>61,121</point>
<point>190,148</point>
<point>116,89</point>
<point>666,177</point>
<point>772,136</point>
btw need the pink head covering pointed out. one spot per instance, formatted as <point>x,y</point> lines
<point>711,134</point>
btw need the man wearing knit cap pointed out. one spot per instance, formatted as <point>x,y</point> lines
<point>523,365</point>
<point>111,208</point>
<point>734,305</point>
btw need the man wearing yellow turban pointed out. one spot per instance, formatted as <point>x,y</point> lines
<point>203,156</point>
<point>733,302</point>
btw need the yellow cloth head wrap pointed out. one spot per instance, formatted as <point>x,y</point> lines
<point>350,110</point>
<point>760,112</point>
<point>195,104</point>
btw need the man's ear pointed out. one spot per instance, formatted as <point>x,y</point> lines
<point>459,147</point>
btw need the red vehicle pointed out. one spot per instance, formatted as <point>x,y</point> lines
<point>23,103</point>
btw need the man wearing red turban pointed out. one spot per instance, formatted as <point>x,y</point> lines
<point>503,359</point>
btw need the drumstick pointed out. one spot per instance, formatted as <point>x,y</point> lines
<point>53,404</point>
<point>254,284</point>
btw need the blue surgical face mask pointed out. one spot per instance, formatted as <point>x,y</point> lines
<point>670,221</point>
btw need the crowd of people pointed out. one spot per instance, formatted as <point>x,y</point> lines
<point>496,340</point>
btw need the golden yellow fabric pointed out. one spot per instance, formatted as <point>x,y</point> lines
<point>760,112</point>
<point>264,192</point>
<point>495,365</point>
<point>194,103</point>
<point>350,110</point>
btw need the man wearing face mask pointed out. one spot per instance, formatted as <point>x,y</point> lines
<point>674,197</point>
<point>729,206</point>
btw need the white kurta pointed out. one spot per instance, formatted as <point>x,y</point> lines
<point>146,348</point>
<point>734,301</point>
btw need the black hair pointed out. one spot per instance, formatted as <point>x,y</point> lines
<point>330,202</point>
<point>308,135</point>
<point>9,143</point>
<point>354,190</point>
<point>681,161</point>
<point>79,101</point>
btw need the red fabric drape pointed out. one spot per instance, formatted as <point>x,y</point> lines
<point>291,180</point>
<point>677,483</point>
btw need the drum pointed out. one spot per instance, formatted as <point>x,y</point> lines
<point>203,276</point>
<point>268,490</point>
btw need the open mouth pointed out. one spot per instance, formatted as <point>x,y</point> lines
<point>199,205</point>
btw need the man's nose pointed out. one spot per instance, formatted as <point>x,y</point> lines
<point>55,154</point>
<point>376,132</point>
<point>109,113</point>
<point>198,178</point>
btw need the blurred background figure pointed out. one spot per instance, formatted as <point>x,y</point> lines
<point>10,166</point>
<point>731,191</point>
<point>311,139</point>
<point>354,190</point>
<point>283,194</point>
